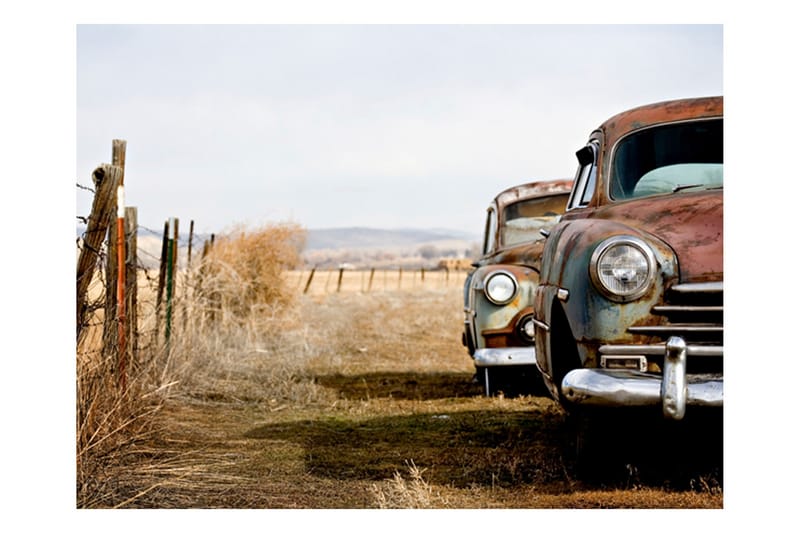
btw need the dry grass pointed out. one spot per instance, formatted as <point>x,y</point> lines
<point>343,400</point>
<point>236,299</point>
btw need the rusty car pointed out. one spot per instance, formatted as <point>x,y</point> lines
<point>628,313</point>
<point>498,293</point>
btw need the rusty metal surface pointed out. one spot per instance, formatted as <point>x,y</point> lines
<point>683,230</point>
<point>532,190</point>
<point>491,330</point>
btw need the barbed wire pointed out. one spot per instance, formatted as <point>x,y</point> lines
<point>85,188</point>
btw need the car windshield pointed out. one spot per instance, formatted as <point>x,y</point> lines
<point>668,159</point>
<point>523,220</point>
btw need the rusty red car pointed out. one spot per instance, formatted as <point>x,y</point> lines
<point>628,312</point>
<point>498,293</point>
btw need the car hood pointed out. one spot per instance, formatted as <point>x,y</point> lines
<point>690,223</point>
<point>527,254</point>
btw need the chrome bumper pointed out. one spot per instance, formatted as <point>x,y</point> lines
<point>673,390</point>
<point>488,357</point>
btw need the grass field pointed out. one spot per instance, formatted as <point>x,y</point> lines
<point>361,400</point>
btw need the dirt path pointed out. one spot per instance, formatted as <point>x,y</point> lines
<point>381,411</point>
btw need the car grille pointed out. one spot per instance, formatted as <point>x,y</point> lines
<point>692,311</point>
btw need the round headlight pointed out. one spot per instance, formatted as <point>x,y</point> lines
<point>527,329</point>
<point>623,268</point>
<point>500,288</point>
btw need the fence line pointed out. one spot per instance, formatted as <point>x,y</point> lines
<point>371,280</point>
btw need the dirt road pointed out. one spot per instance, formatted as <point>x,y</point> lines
<point>373,406</point>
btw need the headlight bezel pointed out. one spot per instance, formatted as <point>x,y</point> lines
<point>602,251</point>
<point>496,275</point>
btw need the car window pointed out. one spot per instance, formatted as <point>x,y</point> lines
<point>585,177</point>
<point>523,220</point>
<point>489,231</point>
<point>682,177</point>
<point>668,159</point>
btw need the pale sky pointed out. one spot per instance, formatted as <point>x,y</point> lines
<point>386,126</point>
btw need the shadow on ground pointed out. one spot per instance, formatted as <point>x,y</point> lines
<point>402,385</point>
<point>491,447</point>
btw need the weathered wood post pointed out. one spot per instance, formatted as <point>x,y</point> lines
<point>339,282</point>
<point>162,278</point>
<point>310,277</point>
<point>132,278</point>
<point>109,329</point>
<point>371,275</point>
<point>106,179</point>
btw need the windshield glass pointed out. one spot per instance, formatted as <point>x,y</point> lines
<point>523,220</point>
<point>668,159</point>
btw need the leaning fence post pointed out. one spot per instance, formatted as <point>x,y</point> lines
<point>371,275</point>
<point>339,283</point>
<point>310,277</point>
<point>106,179</point>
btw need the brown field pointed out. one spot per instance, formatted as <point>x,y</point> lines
<point>364,399</point>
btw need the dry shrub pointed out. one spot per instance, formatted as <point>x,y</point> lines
<point>112,417</point>
<point>243,273</point>
<point>227,322</point>
<point>414,493</point>
<point>240,309</point>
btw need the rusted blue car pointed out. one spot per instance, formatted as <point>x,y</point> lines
<point>628,312</point>
<point>498,293</point>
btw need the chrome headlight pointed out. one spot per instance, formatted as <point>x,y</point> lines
<point>623,268</point>
<point>500,287</point>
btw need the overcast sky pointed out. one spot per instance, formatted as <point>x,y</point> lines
<point>386,126</point>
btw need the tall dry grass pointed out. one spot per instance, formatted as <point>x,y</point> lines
<point>231,307</point>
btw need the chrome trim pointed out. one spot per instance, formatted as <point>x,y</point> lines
<point>620,388</point>
<point>540,324</point>
<point>687,309</point>
<point>658,349</point>
<point>504,356</point>
<point>707,286</point>
<point>688,328</point>
<point>673,390</point>
<point>673,383</point>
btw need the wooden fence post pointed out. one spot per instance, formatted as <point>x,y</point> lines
<point>339,283</point>
<point>117,160</point>
<point>162,278</point>
<point>106,179</point>
<point>371,275</point>
<point>310,277</point>
<point>131,285</point>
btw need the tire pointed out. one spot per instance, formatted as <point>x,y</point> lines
<point>591,437</point>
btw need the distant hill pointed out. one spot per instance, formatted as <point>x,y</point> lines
<point>356,246</point>
<point>372,238</point>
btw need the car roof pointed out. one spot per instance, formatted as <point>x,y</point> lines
<point>660,112</point>
<point>531,190</point>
